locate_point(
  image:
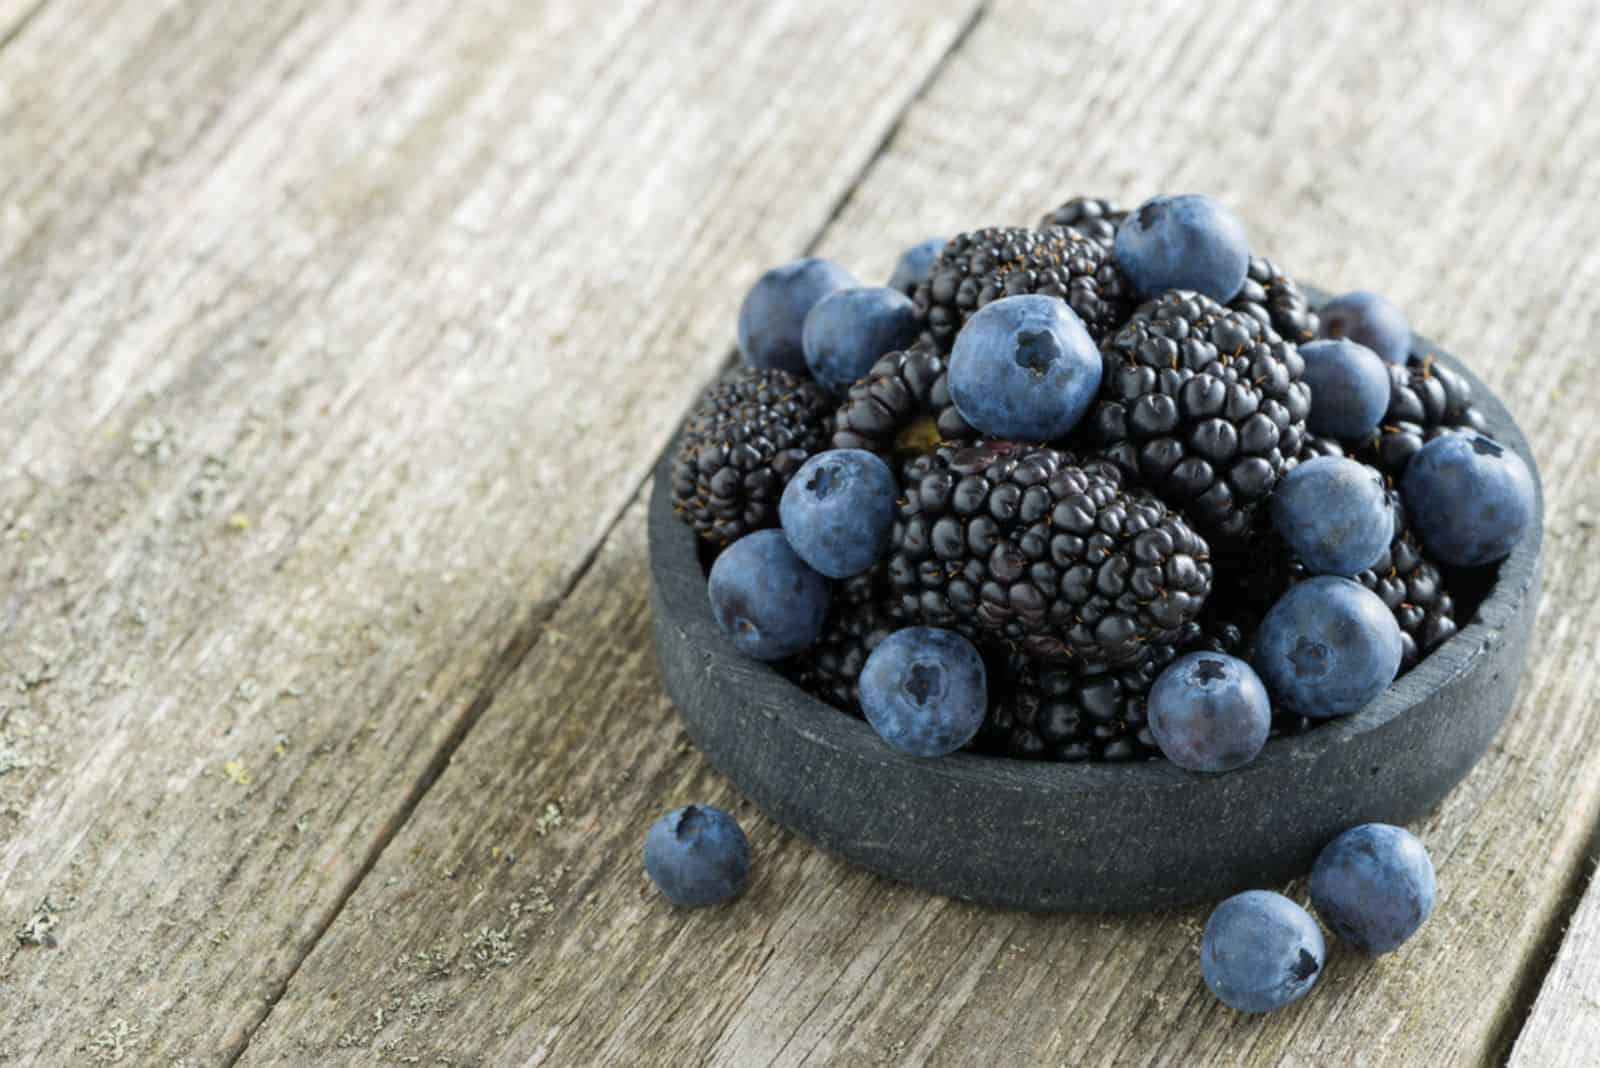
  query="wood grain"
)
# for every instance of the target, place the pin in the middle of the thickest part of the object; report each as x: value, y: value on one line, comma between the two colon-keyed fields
x: 1427, y: 177
x: 1563, y: 1030
x: 333, y: 338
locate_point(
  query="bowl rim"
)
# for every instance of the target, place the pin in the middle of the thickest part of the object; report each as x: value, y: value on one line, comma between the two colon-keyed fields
x: 674, y: 547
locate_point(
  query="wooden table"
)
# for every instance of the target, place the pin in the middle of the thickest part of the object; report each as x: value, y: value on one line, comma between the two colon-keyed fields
x: 337, y: 338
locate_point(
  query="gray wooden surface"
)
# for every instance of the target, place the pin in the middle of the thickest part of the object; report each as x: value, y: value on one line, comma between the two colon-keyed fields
x: 336, y: 341
x: 1562, y: 1030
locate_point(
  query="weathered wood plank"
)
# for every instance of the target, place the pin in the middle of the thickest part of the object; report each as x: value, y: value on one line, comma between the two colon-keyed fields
x: 491, y: 933
x: 328, y: 352
x: 1563, y: 1030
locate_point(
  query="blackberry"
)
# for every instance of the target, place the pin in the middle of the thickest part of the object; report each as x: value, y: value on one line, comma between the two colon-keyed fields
x: 1202, y: 404
x: 746, y: 437
x: 1049, y: 710
x: 1094, y: 217
x: 1413, y: 588
x: 1275, y: 301
x: 1425, y: 400
x: 1314, y: 445
x: 1247, y: 578
x: 985, y: 265
x: 859, y: 620
x: 1018, y: 543
x: 901, y: 408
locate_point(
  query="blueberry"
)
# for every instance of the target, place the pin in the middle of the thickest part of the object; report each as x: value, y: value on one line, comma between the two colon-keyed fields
x: 765, y: 598
x: 697, y: 855
x: 924, y: 691
x: 1469, y: 498
x: 1335, y: 514
x: 1024, y: 368
x: 1260, y: 951
x: 1374, y: 886
x: 772, y: 317
x: 1349, y: 388
x: 1184, y: 242
x: 837, y: 511
x: 846, y: 331
x: 915, y: 264
x: 1327, y: 648
x: 1209, y: 712
x: 1370, y: 320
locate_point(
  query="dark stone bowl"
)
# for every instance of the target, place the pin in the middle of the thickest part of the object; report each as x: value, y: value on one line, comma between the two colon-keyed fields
x: 1093, y: 837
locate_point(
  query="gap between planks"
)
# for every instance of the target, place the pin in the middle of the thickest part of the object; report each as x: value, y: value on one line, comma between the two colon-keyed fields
x: 504, y: 666
x: 18, y: 18
x: 527, y: 638
x: 1522, y: 1019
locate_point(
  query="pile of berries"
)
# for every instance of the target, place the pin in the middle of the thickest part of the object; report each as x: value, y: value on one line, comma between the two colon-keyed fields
x: 1104, y: 489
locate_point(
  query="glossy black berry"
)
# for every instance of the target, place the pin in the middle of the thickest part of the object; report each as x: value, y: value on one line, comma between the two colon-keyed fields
x: 901, y: 408
x: 1096, y: 218
x: 1202, y: 404
x: 1276, y: 301
x: 860, y: 618
x: 1020, y: 543
x: 985, y: 265
x: 744, y: 440
x: 1425, y: 401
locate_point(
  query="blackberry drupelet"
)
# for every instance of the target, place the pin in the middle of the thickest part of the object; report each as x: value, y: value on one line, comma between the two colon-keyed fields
x: 1202, y: 404
x: 985, y: 265
x: 1275, y: 301
x: 1314, y: 446
x: 1096, y: 218
x: 859, y: 620
x: 901, y: 408
x: 1018, y: 543
x: 746, y: 437
x: 1425, y: 400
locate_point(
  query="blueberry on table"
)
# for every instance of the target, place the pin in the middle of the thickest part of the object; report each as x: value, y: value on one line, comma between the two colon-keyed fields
x: 1349, y: 388
x: 1469, y: 499
x: 1209, y: 712
x: 1374, y: 886
x: 1335, y: 514
x: 1327, y: 648
x: 697, y: 855
x: 847, y: 331
x: 1371, y: 320
x: 767, y: 600
x: 838, y: 509
x: 1184, y: 242
x: 924, y: 690
x: 772, y: 317
x: 914, y: 265
x: 1260, y: 951
x: 1024, y: 368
